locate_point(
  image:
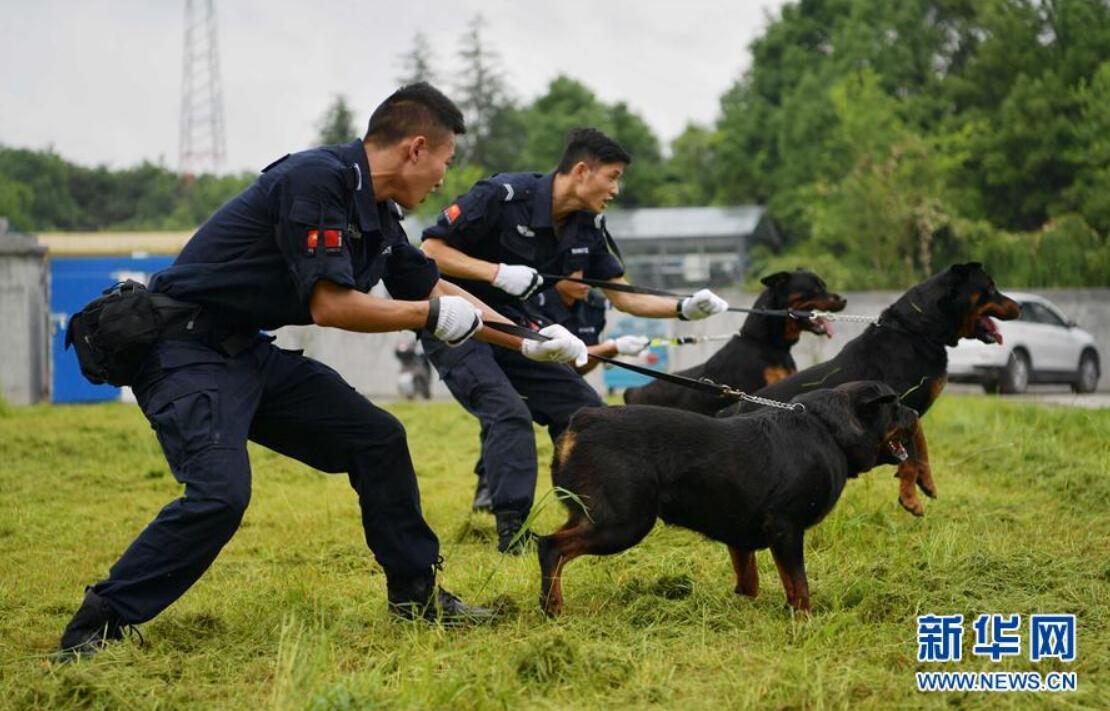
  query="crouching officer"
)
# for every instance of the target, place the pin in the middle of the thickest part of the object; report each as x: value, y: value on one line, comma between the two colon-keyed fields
x: 303, y: 244
x: 495, y: 241
x: 581, y: 310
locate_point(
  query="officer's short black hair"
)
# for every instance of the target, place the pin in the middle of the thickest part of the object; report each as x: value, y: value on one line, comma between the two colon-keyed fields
x: 593, y: 147
x: 415, y: 109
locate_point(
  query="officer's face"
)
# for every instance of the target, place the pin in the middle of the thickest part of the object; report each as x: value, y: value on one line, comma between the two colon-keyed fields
x: 600, y: 184
x: 572, y: 291
x: 424, y: 170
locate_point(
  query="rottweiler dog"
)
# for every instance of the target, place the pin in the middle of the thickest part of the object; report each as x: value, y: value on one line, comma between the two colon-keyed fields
x: 905, y: 349
x: 751, y: 482
x: 759, y: 354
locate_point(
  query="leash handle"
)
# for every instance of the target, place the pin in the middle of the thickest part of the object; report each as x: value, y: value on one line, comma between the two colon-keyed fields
x: 703, y: 384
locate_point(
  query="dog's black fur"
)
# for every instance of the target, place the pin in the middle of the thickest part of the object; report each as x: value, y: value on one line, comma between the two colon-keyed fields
x: 751, y: 482
x: 756, y: 356
x: 905, y: 350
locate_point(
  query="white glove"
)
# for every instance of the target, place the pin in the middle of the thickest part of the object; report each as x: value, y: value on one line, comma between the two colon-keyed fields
x: 517, y: 280
x: 630, y: 345
x: 702, y: 304
x: 452, y: 319
x: 564, y: 347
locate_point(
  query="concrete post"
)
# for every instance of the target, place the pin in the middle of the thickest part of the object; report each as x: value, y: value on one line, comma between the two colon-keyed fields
x: 24, y: 319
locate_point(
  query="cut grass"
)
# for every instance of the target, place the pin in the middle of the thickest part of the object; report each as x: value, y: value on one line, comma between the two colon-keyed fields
x: 292, y: 614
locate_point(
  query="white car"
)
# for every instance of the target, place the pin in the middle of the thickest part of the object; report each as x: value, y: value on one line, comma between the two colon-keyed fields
x: 1042, y: 346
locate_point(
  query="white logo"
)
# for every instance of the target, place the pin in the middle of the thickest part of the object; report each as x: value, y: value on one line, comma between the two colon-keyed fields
x: 523, y: 230
x: 580, y: 250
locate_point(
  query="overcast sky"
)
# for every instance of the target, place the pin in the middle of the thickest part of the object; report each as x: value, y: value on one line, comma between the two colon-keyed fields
x: 100, y: 80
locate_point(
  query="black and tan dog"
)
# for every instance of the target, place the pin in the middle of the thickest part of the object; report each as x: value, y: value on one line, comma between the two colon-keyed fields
x: 759, y: 354
x: 751, y: 482
x: 905, y: 349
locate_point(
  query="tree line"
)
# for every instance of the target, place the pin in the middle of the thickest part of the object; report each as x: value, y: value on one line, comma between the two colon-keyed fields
x: 886, y: 140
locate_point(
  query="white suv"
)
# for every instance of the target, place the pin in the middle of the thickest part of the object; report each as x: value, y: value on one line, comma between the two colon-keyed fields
x: 1042, y: 346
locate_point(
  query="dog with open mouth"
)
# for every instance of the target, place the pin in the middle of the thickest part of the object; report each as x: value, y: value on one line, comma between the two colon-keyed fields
x: 759, y: 354
x: 751, y: 482
x: 905, y: 349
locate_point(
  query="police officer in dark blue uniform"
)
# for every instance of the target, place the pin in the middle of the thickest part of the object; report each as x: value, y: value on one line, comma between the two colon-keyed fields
x: 495, y: 241
x: 581, y: 310
x: 303, y: 244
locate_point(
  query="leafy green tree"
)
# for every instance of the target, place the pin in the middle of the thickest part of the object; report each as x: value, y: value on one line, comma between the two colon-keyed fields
x: 568, y: 104
x: 337, y: 125
x: 483, y: 96
x: 1090, y: 193
x: 688, y: 176
x: 47, y: 176
x: 15, y: 203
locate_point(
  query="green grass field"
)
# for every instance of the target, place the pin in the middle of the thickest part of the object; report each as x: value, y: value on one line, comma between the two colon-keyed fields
x: 292, y: 615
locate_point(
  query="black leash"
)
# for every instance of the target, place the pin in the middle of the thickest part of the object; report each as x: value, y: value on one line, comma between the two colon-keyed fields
x: 788, y: 313
x: 704, y: 384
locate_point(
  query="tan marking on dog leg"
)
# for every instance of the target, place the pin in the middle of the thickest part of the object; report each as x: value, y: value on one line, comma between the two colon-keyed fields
x: 570, y: 545
x: 907, y: 494
x: 747, y: 575
x: 787, y: 580
x: 924, y: 469
x: 774, y: 374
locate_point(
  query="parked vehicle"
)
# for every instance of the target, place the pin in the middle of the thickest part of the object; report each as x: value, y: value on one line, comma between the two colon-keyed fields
x: 1042, y: 346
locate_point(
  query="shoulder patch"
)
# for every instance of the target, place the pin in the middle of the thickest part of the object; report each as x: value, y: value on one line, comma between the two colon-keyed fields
x: 452, y: 213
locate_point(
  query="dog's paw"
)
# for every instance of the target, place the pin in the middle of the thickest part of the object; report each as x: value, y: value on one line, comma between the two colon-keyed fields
x: 912, y: 504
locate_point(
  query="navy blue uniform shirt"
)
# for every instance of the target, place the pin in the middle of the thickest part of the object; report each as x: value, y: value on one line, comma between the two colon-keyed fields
x: 507, y: 219
x: 309, y: 216
x: 584, y: 318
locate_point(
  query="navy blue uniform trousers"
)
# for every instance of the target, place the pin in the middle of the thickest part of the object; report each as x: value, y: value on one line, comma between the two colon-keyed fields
x: 507, y: 392
x: 204, y: 406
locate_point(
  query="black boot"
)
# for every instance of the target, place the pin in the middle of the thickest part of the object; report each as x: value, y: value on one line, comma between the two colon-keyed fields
x: 511, y: 535
x: 483, y: 500
x: 93, y: 626
x: 420, y: 598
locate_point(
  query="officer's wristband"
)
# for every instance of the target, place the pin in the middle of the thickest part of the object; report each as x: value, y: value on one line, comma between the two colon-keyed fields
x: 678, y: 310
x: 433, y: 315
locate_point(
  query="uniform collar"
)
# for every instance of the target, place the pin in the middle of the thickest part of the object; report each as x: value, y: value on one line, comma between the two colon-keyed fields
x: 553, y: 308
x: 541, y: 202
x: 354, y: 156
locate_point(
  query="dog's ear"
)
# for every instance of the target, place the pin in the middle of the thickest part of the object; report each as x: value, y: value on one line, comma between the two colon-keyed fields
x: 834, y: 408
x: 875, y: 393
x: 869, y: 396
x: 775, y: 280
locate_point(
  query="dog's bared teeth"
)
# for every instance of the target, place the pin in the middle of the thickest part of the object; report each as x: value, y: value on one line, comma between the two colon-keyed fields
x: 898, y: 450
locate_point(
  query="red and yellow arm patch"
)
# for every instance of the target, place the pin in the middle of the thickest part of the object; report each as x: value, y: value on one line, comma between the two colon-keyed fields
x: 452, y: 213
x: 333, y: 241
